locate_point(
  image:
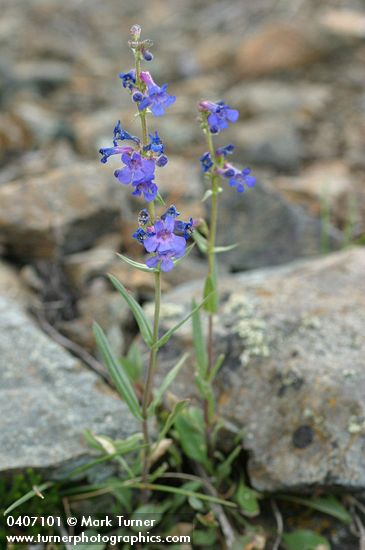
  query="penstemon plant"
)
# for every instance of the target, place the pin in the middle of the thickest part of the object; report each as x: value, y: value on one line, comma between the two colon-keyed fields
x: 219, y: 497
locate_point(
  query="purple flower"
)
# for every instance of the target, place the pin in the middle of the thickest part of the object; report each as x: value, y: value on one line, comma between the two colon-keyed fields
x: 163, y: 238
x: 239, y: 179
x: 165, y: 259
x: 147, y: 187
x: 162, y: 161
x: 219, y: 116
x: 137, y: 169
x: 107, y: 152
x: 156, y: 97
x: 206, y: 162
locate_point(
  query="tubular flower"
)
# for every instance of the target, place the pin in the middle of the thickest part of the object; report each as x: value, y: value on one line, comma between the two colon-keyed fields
x: 239, y: 178
x: 155, y: 97
x: 219, y: 116
x: 161, y: 239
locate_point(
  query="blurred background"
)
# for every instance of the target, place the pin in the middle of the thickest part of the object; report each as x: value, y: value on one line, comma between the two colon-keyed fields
x: 295, y: 69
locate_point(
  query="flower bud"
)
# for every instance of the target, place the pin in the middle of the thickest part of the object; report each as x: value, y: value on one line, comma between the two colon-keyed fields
x: 136, y: 32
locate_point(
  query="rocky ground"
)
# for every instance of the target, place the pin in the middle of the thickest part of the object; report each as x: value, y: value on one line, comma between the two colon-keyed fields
x: 296, y: 72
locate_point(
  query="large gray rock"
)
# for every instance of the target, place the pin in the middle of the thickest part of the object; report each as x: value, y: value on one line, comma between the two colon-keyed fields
x: 269, y: 229
x: 294, y: 372
x: 48, y: 399
x: 67, y: 209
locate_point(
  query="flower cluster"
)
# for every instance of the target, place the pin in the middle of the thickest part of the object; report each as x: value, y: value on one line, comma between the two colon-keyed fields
x: 165, y: 238
x: 146, y: 93
x: 139, y: 161
x: 215, y: 117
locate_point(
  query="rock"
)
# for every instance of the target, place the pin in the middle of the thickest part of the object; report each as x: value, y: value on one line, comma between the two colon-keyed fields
x: 272, y: 96
x: 294, y: 374
x: 66, y: 210
x: 11, y: 285
x: 43, y: 73
x: 84, y: 268
x: 48, y: 399
x: 269, y: 141
x: 269, y: 230
x: 344, y: 23
x: 330, y: 182
x: 279, y: 46
x: 105, y: 307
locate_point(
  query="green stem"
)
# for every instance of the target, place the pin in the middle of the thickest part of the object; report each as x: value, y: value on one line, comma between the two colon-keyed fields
x: 149, y: 379
x: 142, y: 116
x: 212, y: 274
x: 153, y: 353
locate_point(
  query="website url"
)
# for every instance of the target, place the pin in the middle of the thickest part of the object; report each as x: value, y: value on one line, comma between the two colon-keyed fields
x: 85, y: 538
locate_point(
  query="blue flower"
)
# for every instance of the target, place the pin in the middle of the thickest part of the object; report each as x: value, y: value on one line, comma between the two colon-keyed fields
x: 219, y: 116
x: 161, y: 161
x: 156, y: 144
x: 162, y: 241
x: 137, y: 169
x: 171, y: 211
x: 155, y: 97
x: 239, y: 179
x: 120, y: 134
x: 206, y: 162
x: 128, y: 79
x: 140, y: 235
x: 186, y: 228
x: 225, y: 151
x: 147, y: 187
x: 106, y: 152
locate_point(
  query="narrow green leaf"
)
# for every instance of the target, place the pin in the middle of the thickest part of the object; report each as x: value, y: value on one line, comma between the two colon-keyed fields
x: 166, y: 337
x: 179, y: 491
x: 224, y: 469
x: 171, y: 418
x: 217, y: 366
x: 34, y: 492
x: 225, y: 248
x: 246, y: 498
x: 304, y: 539
x: 210, y: 295
x: 199, y: 342
x: 143, y: 324
x: 169, y: 378
x: 190, y: 428
x: 200, y: 241
x: 119, y: 377
x: 159, y: 199
x: 208, y: 193
x: 137, y: 265
x: 328, y: 505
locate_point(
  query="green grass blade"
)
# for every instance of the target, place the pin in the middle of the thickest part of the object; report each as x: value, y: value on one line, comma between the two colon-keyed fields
x: 34, y: 492
x: 137, y: 265
x: 169, y: 378
x: 199, y: 342
x: 166, y: 337
x: 143, y: 324
x: 119, y: 377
